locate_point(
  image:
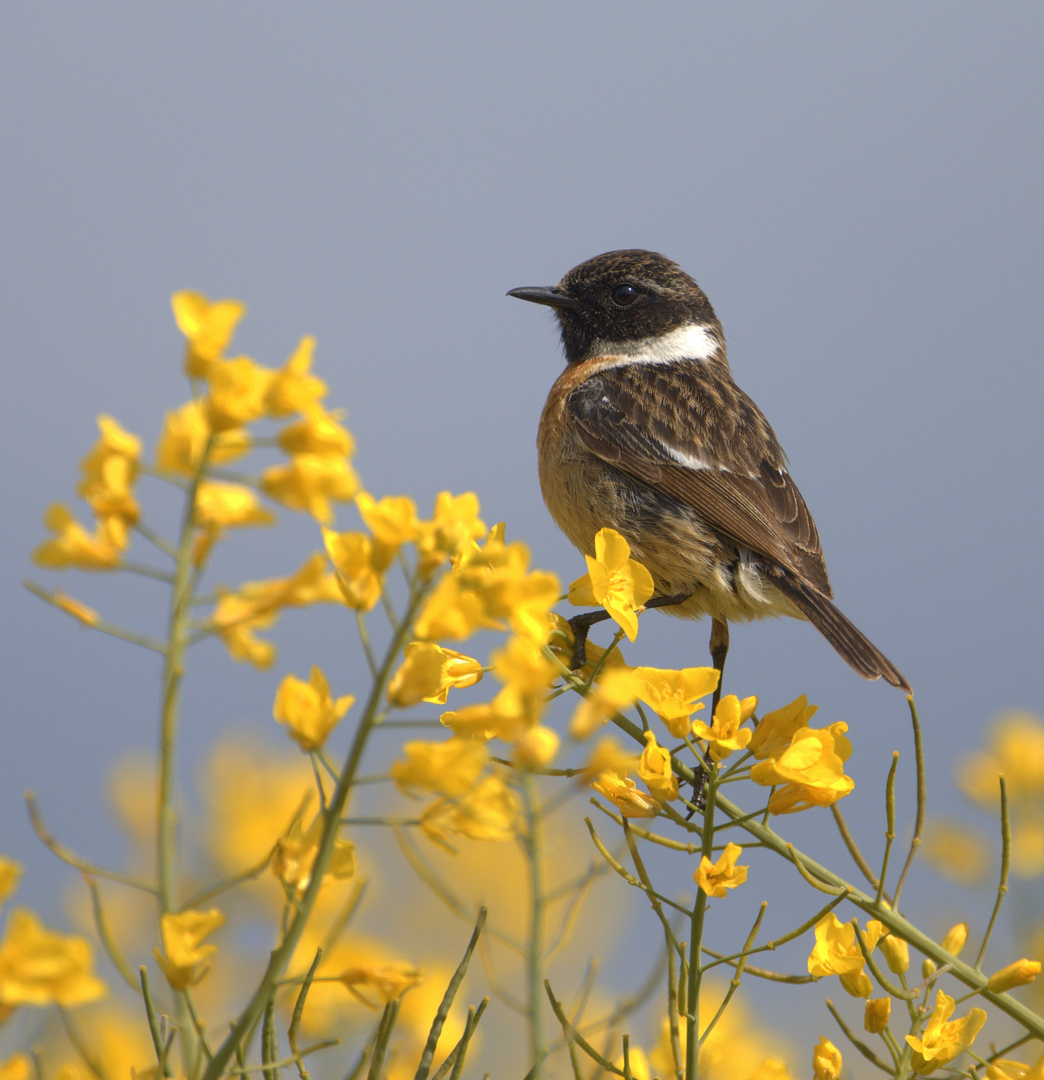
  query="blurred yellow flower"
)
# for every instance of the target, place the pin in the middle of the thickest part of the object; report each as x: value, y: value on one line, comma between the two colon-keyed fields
x: 294, y: 856
x: 716, y: 878
x: 614, y: 581
x: 776, y: 730
x: 235, y: 619
x: 220, y: 506
x: 308, y: 483
x: 393, y: 522
x: 488, y: 812
x: 73, y: 546
x: 107, y: 473
x: 386, y: 981
x: 625, y: 795
x: 674, y: 694
x: 250, y: 797
x: 40, y: 966
x: 1015, y: 747
x: 1005, y: 1069
x: 956, y: 850
x: 725, y: 734
x: 826, y: 1060
x: 876, y: 1014
x: 943, y: 1039
x: 352, y: 556
x: 427, y: 673
x: 184, y: 959
x: 16, y: 1067
x: 450, y: 768
x: 10, y: 875
x: 308, y: 709
x: 616, y: 689
x: 837, y: 952
x: 184, y: 437
x: 654, y: 770
x: 810, y: 770
x: 1019, y: 973
x: 452, y: 612
x: 452, y: 531
x: 237, y: 393
x: 536, y: 747
x: 608, y: 756
x: 318, y: 432
x: 207, y: 325
x: 293, y: 388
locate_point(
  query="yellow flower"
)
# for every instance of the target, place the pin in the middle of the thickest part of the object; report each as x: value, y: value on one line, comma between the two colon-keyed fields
x: 776, y: 730
x: 955, y: 938
x: 450, y: 768
x: 40, y: 966
x: 615, y: 581
x: 1018, y: 974
x: 654, y: 770
x: 185, y: 960
x: 392, y: 520
x: 221, y: 506
x: 387, y: 981
x: 237, y: 393
x: 526, y: 673
x: 715, y: 878
x: 294, y: 856
x: 108, y: 471
x: 810, y: 770
x: 1003, y: 1069
x: 837, y: 952
x: 537, y: 747
x: 235, y: 619
x: 453, y: 529
x: 184, y: 438
x: 352, y: 556
x: 826, y: 1060
x: 725, y: 734
x: 674, y: 695
x: 428, y: 672
x: 73, y: 546
x: 616, y: 689
x: 318, y: 432
x: 293, y: 389
x: 308, y: 710
x: 10, y: 874
x: 207, y: 326
x: 943, y: 1039
x: 488, y: 812
x: 308, y: 483
x: 625, y: 795
x: 876, y: 1015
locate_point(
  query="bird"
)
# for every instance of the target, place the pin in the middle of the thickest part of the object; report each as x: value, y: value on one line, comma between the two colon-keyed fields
x: 647, y: 433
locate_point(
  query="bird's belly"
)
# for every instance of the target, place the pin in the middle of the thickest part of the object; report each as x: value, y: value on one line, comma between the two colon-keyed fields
x: 684, y: 555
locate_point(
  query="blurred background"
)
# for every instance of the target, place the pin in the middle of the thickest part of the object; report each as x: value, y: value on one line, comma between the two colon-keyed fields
x: 856, y: 187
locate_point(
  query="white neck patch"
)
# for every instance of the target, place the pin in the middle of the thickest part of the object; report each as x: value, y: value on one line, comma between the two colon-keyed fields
x: 691, y: 342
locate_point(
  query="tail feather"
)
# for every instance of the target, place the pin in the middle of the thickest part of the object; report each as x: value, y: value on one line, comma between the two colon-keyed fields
x: 851, y: 644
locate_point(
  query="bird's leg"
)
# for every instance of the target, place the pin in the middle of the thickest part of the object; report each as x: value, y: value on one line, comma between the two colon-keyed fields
x: 719, y: 649
x: 581, y: 625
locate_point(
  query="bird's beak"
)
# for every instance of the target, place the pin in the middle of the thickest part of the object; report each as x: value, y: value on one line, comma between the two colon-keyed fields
x: 551, y: 295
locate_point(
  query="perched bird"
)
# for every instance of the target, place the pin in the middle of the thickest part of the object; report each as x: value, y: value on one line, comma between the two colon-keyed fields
x: 646, y: 432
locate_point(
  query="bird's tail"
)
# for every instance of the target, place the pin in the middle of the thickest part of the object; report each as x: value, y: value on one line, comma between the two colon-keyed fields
x: 850, y: 643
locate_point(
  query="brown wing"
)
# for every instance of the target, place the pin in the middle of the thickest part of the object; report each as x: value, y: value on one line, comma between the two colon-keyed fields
x: 692, y: 436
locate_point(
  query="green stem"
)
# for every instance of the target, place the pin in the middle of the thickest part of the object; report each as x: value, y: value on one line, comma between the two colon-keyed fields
x: 699, y: 912
x: 280, y: 956
x: 533, y: 844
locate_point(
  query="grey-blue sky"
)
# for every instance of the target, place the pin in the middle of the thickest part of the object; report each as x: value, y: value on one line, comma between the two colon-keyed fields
x: 857, y: 188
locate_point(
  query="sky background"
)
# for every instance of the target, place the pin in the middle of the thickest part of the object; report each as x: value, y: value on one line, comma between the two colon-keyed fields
x: 856, y: 188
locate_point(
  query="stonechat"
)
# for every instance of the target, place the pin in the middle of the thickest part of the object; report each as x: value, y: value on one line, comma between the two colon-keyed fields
x: 646, y: 432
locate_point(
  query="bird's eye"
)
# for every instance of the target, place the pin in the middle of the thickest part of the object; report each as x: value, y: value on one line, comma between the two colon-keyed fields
x: 624, y: 295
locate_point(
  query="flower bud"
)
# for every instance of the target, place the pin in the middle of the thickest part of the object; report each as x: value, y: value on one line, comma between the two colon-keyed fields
x: 896, y: 953
x: 955, y: 939
x: 1018, y: 974
x: 928, y: 968
x: 876, y: 1014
